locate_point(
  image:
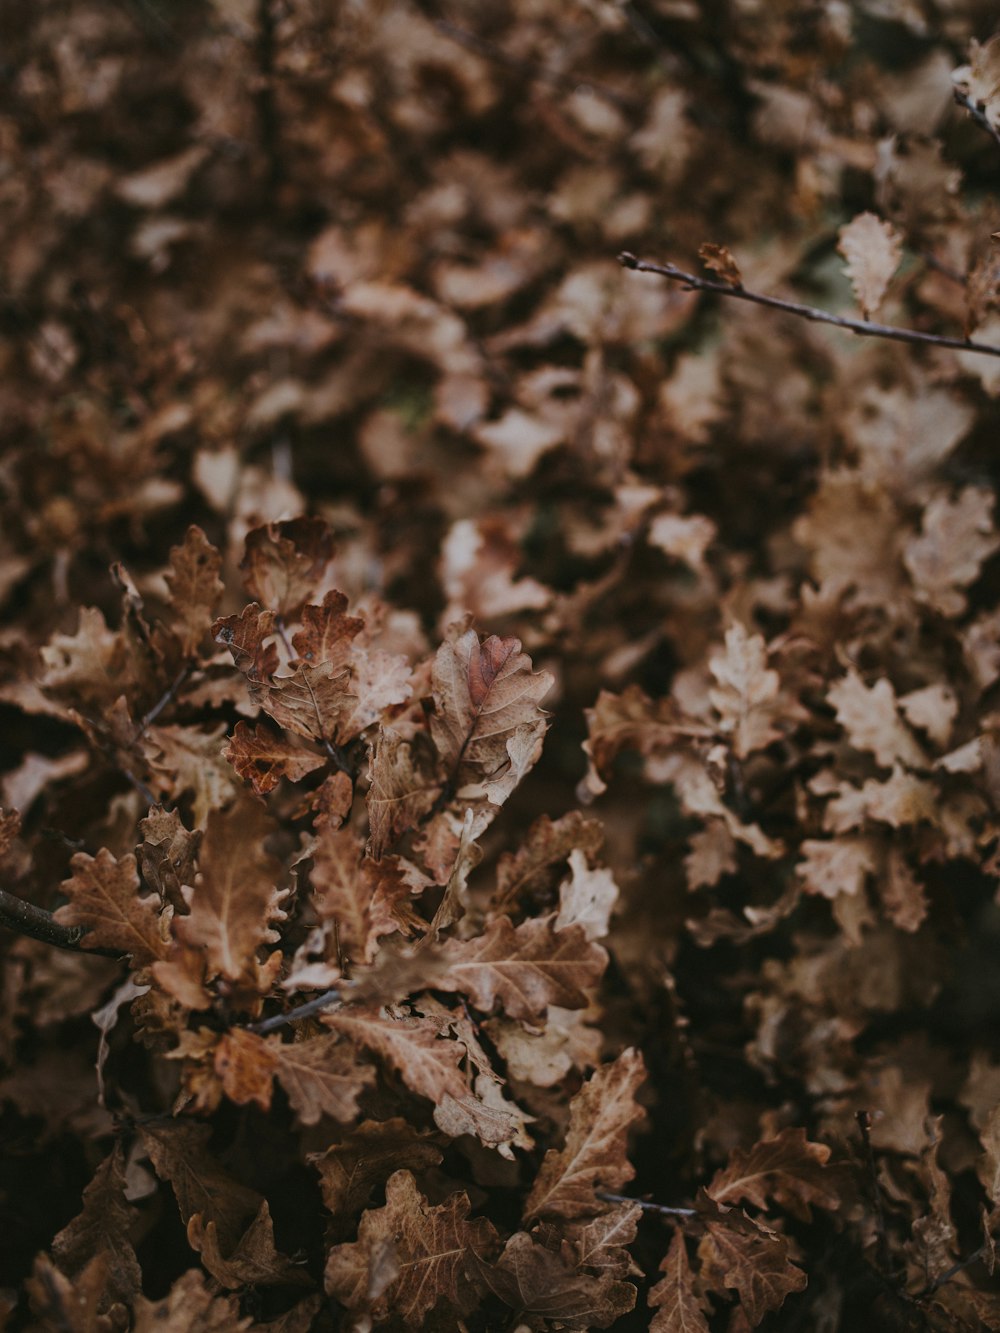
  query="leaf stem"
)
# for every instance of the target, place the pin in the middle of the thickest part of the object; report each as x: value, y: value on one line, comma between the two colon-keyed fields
x: 864, y: 327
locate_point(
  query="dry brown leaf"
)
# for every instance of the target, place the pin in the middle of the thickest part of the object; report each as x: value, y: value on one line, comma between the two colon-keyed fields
x: 788, y: 1169
x: 263, y: 757
x: 434, y: 1253
x: 365, y: 1159
x: 255, y: 1262
x: 102, y: 1229
x: 195, y: 589
x: 594, y: 1155
x: 403, y: 789
x: 870, y: 717
x: 753, y: 1261
x: 957, y: 537
x: 873, y: 250
x: 746, y: 695
x: 104, y: 900
x: 284, y: 563
x: 524, y: 969
x: 720, y: 261
x: 679, y: 1307
x: 533, y: 1280
x: 322, y: 1076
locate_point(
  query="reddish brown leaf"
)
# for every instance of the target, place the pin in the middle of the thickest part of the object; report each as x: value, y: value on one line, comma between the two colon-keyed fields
x: 534, y: 1281
x: 263, y: 757
x: 403, y: 789
x: 751, y: 1260
x: 328, y: 633
x: 255, y: 1262
x: 245, y: 1064
x: 235, y: 898
x: 367, y: 1157
x: 788, y: 1169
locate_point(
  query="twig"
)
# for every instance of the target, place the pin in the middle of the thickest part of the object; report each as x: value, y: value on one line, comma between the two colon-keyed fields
x: 864, y: 327
x: 661, y: 1208
x: 954, y: 1270
x: 26, y: 919
x: 168, y: 695
x: 323, y: 1001
x: 864, y: 1119
x: 977, y: 114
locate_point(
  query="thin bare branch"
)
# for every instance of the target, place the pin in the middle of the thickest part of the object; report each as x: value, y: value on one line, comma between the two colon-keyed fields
x: 864, y: 327
x: 662, y: 1208
x: 978, y: 115
x: 324, y: 1001
x: 26, y: 919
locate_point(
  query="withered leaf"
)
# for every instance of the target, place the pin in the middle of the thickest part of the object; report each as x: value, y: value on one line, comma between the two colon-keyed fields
x: 102, y: 1229
x: 752, y: 1260
x: 263, y: 757
x: 871, y: 719
x: 191, y: 1305
x: 426, y: 1060
x: 235, y: 899
x: 366, y: 1157
x: 720, y: 260
x: 746, y: 693
x: 595, y: 1152
x: 104, y: 899
x: 195, y: 589
x: 679, y: 1309
x: 957, y: 537
x: 788, y: 1169
x: 322, y: 1076
x: 435, y: 1253
x: 530, y: 871
x: 255, y: 1262
x: 179, y: 1154
x: 535, y: 1281
x: 245, y: 1065
x: 167, y: 853
x: 403, y: 789
x: 327, y: 633
x: 190, y: 759
x: 482, y: 694
x: 873, y: 249
x: 88, y: 667
x: 284, y: 563
x: 524, y: 968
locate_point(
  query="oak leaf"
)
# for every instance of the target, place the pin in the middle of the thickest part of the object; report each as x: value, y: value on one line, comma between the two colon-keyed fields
x: 313, y: 701
x: 255, y: 1262
x: 88, y: 667
x: 102, y: 1229
x: 536, y: 1281
x: 190, y: 759
x: 403, y: 788
x: 434, y: 1253
x: 746, y: 695
x: 752, y: 1260
x: 322, y: 1076
x: 365, y: 898
x: 245, y: 1065
x: 263, y: 757
x: 594, y: 1154
x: 788, y: 1169
x: 871, y: 719
x: 720, y: 261
x: 179, y: 1154
x: 365, y: 1159
x: 327, y: 633
x: 957, y: 537
x: 104, y: 900
x: 483, y: 693
x: 530, y: 873
x: 587, y: 898
x: 284, y: 563
x: 235, y: 898
x: 679, y: 1308
x: 192, y: 1306
x: 873, y: 249
x: 167, y: 853
x: 195, y: 589
x: 525, y: 968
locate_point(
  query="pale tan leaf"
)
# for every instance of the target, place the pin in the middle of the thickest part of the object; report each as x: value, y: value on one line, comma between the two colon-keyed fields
x: 873, y: 249
x: 322, y: 1076
x: 587, y: 898
x: 195, y: 589
x: 870, y: 717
